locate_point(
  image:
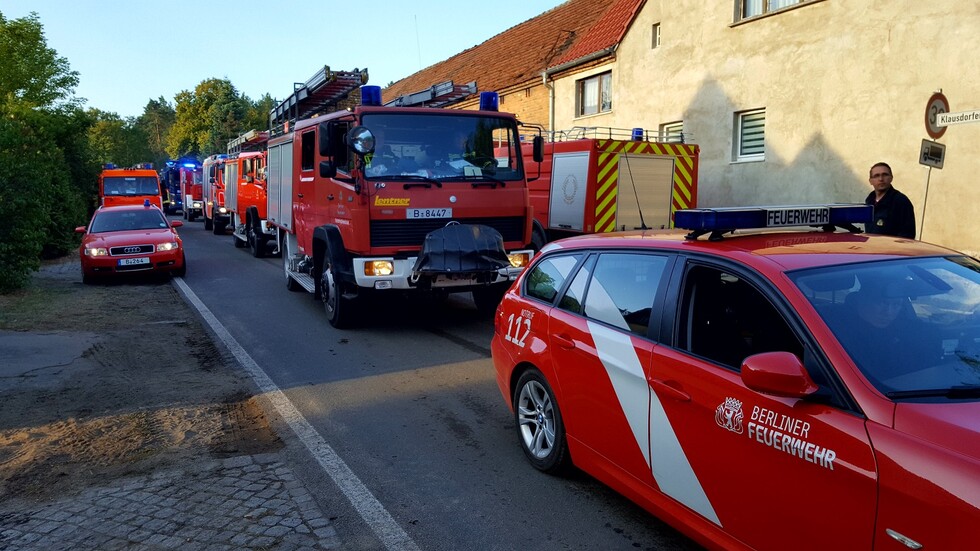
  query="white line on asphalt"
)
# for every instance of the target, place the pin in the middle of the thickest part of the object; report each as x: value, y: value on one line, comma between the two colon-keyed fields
x: 370, y: 509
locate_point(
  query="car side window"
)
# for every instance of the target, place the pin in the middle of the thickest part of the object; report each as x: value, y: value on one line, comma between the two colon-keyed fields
x: 548, y: 275
x: 623, y: 288
x: 726, y: 319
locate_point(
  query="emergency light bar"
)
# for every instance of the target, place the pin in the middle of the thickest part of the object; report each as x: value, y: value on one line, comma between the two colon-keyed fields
x: 370, y: 95
x: 725, y: 220
x: 489, y: 101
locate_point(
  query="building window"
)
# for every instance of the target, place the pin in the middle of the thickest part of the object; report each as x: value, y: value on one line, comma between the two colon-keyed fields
x: 594, y: 94
x: 672, y: 132
x: 656, y: 35
x: 750, y: 135
x: 755, y: 8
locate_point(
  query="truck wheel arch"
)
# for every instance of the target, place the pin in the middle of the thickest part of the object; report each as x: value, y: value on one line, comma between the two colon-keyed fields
x: 539, y: 237
x: 327, y: 237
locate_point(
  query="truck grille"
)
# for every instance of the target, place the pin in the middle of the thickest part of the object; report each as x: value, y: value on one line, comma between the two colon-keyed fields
x: 411, y: 233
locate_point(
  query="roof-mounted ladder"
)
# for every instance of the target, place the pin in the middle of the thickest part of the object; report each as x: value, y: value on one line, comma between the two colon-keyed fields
x: 439, y: 95
x: 325, y: 89
x: 253, y: 140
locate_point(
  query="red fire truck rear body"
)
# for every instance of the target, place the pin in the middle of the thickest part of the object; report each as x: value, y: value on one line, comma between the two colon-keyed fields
x: 246, y: 195
x: 213, y: 190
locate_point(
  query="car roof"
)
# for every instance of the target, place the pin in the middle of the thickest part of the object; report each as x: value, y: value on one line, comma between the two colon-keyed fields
x: 124, y: 208
x: 782, y: 250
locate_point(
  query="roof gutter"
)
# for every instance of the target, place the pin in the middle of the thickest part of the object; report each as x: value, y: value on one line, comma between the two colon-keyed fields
x: 546, y: 75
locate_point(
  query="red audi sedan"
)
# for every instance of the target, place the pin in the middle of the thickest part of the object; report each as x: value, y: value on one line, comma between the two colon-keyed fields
x: 128, y: 239
x: 757, y: 389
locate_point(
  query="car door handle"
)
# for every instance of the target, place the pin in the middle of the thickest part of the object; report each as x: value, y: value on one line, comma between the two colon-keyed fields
x: 300, y: 195
x: 670, y: 389
x: 330, y: 197
x: 564, y: 341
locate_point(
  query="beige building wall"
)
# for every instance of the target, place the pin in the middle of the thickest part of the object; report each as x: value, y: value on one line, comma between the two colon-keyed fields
x: 843, y: 84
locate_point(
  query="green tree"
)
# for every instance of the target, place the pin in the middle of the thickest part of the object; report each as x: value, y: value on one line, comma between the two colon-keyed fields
x: 123, y: 142
x: 156, y: 121
x: 45, y: 165
x: 207, y: 118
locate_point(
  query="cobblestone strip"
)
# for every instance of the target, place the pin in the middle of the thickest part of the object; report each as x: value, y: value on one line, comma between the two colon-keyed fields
x: 245, y: 502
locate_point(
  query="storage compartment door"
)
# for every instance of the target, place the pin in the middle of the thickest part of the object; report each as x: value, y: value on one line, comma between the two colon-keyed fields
x: 645, y: 185
x: 569, y: 177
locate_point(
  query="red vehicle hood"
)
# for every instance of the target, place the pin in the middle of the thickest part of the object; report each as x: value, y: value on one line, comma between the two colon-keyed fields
x: 954, y: 425
x: 135, y: 237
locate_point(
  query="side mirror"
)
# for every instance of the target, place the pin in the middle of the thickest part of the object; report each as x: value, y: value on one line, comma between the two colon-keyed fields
x: 361, y: 140
x: 80, y: 229
x: 176, y: 223
x: 327, y: 169
x: 211, y: 179
x: 538, y: 149
x: 777, y: 374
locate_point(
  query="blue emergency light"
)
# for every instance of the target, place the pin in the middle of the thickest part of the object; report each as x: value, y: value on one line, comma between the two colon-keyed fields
x: 371, y: 95
x: 719, y: 221
x: 146, y: 202
x: 109, y: 166
x: 489, y: 101
x: 190, y: 165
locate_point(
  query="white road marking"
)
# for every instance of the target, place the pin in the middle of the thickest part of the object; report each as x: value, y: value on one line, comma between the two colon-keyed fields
x: 370, y: 509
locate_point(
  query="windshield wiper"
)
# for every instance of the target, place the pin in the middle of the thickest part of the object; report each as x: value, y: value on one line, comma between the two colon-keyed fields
x: 956, y: 392
x: 423, y: 181
x: 478, y: 180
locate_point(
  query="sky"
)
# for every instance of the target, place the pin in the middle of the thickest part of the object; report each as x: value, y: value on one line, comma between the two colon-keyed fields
x: 130, y: 51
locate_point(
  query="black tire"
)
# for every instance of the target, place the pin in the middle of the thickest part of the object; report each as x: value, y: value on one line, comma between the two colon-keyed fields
x: 208, y: 224
x: 339, y: 310
x: 218, y: 228
x: 88, y: 279
x: 239, y: 244
x: 538, y: 240
x: 291, y: 283
x: 540, y: 428
x: 257, y: 243
x: 488, y: 298
x: 184, y: 214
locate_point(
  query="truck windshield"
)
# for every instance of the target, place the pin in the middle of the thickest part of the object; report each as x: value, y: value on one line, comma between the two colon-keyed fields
x: 130, y: 185
x: 443, y: 146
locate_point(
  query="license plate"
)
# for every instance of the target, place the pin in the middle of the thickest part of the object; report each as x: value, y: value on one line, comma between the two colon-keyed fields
x: 428, y: 213
x: 134, y: 261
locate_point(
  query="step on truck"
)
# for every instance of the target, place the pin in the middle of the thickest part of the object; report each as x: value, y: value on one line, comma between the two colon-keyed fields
x: 188, y: 176
x: 371, y: 198
x: 599, y: 179
x: 246, y: 193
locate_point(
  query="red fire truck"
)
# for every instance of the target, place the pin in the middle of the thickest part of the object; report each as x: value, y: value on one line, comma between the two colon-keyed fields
x: 246, y: 192
x: 379, y: 198
x: 595, y: 180
x: 191, y: 179
x: 129, y: 186
x: 213, y: 192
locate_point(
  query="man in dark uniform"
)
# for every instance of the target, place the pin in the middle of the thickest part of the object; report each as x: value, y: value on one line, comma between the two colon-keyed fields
x: 894, y: 214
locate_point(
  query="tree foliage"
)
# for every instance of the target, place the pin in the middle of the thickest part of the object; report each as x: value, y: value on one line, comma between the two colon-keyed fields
x: 207, y: 118
x: 46, y: 165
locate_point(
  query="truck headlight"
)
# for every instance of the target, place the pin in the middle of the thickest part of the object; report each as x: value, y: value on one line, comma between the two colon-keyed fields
x: 96, y: 251
x: 379, y: 268
x: 223, y: 210
x: 519, y: 260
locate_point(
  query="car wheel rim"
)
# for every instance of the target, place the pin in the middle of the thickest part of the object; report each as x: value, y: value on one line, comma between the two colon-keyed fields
x: 536, y: 416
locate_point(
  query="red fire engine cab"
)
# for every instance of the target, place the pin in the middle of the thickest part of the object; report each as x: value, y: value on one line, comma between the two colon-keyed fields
x: 191, y: 190
x: 246, y: 192
x: 129, y: 186
x: 380, y: 198
x: 213, y: 192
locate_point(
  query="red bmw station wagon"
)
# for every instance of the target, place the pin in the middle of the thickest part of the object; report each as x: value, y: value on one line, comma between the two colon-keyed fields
x: 776, y: 389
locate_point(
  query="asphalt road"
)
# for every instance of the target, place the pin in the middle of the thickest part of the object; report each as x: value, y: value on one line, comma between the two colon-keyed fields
x: 408, y: 402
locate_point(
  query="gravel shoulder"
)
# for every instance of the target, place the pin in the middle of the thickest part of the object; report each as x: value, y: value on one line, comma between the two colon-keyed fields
x: 105, y: 381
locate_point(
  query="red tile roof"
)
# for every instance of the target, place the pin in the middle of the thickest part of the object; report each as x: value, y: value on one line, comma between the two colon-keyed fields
x: 520, y: 54
x: 606, y: 33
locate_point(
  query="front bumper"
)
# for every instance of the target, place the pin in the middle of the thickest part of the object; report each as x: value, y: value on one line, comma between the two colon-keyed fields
x: 166, y: 261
